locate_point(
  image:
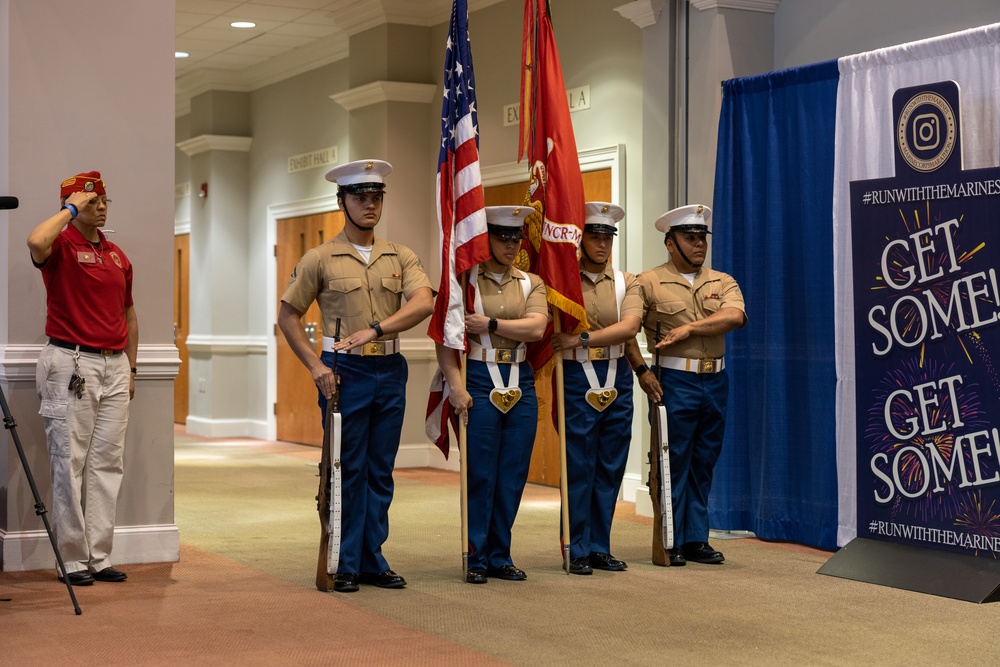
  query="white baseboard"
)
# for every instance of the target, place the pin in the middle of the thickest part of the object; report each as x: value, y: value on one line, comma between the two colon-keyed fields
x: 226, y: 428
x: 31, y: 549
x: 425, y: 455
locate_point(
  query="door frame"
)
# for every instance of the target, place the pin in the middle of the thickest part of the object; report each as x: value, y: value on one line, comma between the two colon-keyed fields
x: 275, y: 213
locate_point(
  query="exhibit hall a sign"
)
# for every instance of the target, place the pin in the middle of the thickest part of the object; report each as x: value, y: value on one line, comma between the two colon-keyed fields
x: 926, y: 244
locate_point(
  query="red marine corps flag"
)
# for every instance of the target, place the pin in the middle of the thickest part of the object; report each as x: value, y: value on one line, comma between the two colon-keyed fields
x: 461, y: 210
x: 556, y: 185
x: 555, y: 230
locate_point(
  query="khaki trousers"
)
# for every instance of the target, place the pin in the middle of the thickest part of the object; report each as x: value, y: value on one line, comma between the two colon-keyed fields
x: 86, y: 443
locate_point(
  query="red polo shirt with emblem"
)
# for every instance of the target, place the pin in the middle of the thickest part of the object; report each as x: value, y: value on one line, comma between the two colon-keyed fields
x: 88, y: 289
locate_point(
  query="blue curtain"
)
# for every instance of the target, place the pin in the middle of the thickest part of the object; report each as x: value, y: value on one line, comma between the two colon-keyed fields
x: 772, y: 230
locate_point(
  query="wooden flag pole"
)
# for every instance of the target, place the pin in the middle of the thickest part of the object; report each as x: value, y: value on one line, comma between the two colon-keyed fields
x: 563, y: 474
x: 463, y: 448
x: 463, y: 462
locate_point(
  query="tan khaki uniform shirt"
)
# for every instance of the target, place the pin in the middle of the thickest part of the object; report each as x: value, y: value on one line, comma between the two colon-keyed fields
x: 670, y: 299
x: 601, y: 301
x: 335, y: 276
x: 505, y: 300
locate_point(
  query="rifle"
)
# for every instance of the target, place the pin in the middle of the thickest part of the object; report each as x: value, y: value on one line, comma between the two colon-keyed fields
x: 328, y: 501
x: 659, y: 476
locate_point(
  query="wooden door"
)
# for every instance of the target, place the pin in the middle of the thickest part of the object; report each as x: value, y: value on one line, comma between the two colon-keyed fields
x: 297, y: 415
x: 545, y: 467
x: 182, y: 271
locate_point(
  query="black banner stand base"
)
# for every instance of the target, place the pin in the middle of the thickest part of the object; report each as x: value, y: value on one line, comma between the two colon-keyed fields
x: 950, y: 575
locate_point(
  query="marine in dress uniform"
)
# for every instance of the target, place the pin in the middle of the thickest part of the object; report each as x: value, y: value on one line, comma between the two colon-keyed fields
x: 696, y: 307
x: 363, y: 280
x: 598, y: 386
x: 497, y: 400
x: 86, y: 373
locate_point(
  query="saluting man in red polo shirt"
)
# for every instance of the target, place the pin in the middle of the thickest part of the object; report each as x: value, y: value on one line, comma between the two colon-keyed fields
x: 86, y: 374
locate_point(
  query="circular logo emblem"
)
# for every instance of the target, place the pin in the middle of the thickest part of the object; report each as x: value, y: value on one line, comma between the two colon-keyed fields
x: 925, y: 132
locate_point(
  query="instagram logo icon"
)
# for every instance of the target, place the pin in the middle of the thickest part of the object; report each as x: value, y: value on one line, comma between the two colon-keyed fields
x: 926, y: 132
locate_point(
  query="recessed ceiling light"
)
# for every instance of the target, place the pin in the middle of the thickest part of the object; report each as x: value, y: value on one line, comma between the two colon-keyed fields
x: 243, y: 24
x: 181, y: 54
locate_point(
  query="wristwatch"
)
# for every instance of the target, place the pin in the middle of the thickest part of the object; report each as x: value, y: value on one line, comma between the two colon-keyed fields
x: 492, y: 325
x: 377, y: 327
x: 640, y: 369
x: 585, y: 339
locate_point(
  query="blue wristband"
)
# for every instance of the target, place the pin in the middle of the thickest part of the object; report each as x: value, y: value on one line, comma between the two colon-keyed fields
x: 73, y: 210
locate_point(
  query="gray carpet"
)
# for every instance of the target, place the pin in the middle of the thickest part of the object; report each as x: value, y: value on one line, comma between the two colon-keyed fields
x: 254, y: 503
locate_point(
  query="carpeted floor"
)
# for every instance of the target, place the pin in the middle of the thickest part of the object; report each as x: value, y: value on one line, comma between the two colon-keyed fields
x: 243, y: 592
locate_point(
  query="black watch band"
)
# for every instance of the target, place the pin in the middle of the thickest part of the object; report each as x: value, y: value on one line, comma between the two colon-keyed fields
x: 640, y: 369
x: 492, y: 326
x: 377, y: 327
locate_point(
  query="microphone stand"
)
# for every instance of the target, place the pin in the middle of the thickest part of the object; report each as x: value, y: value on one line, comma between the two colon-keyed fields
x: 11, y: 425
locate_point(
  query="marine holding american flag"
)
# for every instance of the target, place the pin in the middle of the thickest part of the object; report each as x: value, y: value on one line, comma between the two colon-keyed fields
x: 361, y: 280
x: 497, y: 399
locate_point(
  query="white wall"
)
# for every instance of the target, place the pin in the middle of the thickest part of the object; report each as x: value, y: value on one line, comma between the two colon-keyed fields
x: 809, y: 31
x: 69, y: 72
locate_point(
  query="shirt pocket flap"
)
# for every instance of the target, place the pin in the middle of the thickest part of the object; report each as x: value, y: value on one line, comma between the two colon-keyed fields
x: 393, y: 284
x: 344, y: 284
x: 670, y: 307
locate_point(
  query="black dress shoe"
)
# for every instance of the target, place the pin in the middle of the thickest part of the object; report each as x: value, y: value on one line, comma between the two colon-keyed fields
x: 701, y: 552
x: 508, y: 572
x: 676, y: 558
x: 475, y: 575
x: 109, y: 574
x: 82, y: 578
x: 579, y: 565
x: 387, y: 579
x: 346, y: 582
x: 602, y: 561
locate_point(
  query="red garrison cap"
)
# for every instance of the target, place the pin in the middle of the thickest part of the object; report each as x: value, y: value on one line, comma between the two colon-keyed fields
x: 88, y: 182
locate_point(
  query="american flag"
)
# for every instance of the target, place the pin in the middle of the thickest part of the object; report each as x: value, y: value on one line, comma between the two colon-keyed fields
x: 461, y: 207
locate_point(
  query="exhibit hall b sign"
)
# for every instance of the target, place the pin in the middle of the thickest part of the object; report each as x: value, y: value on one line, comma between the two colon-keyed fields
x: 926, y: 244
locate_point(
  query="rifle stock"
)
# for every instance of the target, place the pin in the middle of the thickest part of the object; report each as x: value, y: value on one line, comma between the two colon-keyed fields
x: 659, y: 477
x: 327, y: 471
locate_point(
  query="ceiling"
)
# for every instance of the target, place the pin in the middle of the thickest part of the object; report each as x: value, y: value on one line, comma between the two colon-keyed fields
x: 291, y: 37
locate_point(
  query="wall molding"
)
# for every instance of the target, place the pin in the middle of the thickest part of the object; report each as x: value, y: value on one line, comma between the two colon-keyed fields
x: 214, y: 142
x: 226, y: 345
x: 642, y: 13
x: 31, y: 549
x: 378, y: 92
x: 155, y: 362
x: 766, y: 6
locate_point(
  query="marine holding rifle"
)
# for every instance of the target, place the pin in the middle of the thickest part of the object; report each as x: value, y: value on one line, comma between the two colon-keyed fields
x: 362, y: 280
x: 696, y: 307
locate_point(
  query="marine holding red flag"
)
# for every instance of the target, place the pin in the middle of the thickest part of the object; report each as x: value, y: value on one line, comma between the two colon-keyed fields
x: 556, y: 186
x: 461, y: 212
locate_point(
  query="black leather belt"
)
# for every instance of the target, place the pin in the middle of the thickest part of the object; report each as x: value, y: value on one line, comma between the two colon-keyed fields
x: 83, y: 348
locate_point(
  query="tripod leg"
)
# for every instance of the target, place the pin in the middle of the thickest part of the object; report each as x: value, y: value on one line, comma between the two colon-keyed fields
x: 9, y: 424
